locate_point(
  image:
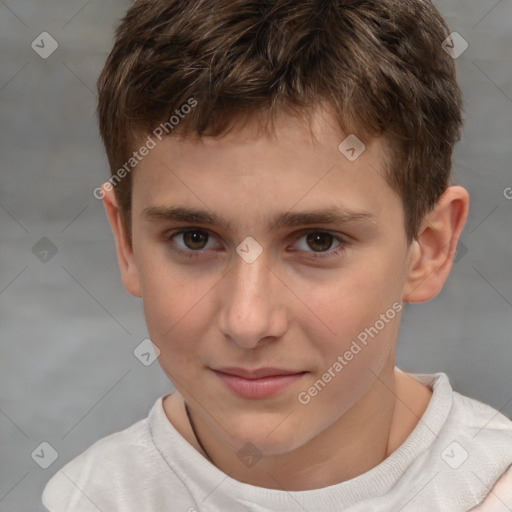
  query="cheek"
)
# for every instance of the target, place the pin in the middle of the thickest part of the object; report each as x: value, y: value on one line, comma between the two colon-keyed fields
x: 345, y: 305
x: 173, y: 318
x: 179, y: 314
x: 365, y: 327
x: 354, y: 329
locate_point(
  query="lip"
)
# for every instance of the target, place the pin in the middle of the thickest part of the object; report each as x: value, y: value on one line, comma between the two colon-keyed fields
x: 256, y: 373
x: 260, y: 383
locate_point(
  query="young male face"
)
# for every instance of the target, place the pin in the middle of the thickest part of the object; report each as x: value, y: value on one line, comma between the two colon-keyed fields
x: 285, y: 310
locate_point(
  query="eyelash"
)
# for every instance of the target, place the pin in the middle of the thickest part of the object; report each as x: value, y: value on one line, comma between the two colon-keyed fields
x: 333, y: 253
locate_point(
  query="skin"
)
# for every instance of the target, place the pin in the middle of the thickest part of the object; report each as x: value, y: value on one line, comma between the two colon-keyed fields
x: 499, y: 498
x: 285, y: 309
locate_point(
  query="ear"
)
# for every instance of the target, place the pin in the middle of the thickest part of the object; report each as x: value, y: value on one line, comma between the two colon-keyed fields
x: 127, y: 266
x: 431, y: 254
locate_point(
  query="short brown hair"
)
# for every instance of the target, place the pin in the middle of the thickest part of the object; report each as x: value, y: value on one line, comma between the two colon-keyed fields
x: 378, y: 63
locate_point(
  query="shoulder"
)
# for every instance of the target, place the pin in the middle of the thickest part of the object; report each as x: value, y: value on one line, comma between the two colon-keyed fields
x: 479, y: 449
x: 463, y: 416
x: 499, y: 499
x: 480, y: 434
x: 481, y: 421
x: 104, y: 473
x: 466, y: 446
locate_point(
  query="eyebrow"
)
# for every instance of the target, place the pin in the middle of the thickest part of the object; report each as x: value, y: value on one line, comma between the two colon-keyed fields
x: 334, y: 215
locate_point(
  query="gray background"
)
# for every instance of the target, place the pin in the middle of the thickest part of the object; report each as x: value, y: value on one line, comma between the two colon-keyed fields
x: 68, y: 375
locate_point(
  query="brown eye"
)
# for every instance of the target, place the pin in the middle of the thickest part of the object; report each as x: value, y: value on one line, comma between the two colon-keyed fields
x: 320, y: 241
x: 318, y: 245
x: 195, y: 240
x: 192, y: 243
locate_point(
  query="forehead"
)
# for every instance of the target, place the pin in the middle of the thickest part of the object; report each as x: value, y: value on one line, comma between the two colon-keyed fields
x: 296, y: 166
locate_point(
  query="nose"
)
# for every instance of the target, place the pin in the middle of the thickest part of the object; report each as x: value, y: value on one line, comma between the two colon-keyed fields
x: 252, y: 303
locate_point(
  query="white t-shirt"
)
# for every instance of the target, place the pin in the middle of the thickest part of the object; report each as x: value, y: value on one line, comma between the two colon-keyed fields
x: 449, y: 463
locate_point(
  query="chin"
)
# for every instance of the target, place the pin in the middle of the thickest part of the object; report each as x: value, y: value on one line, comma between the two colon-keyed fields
x: 266, y: 439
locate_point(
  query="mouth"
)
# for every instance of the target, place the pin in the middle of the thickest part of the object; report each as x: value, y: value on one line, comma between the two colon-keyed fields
x: 260, y: 383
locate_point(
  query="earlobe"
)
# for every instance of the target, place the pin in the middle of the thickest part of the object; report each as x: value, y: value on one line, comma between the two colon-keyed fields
x: 431, y: 254
x: 125, y: 257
